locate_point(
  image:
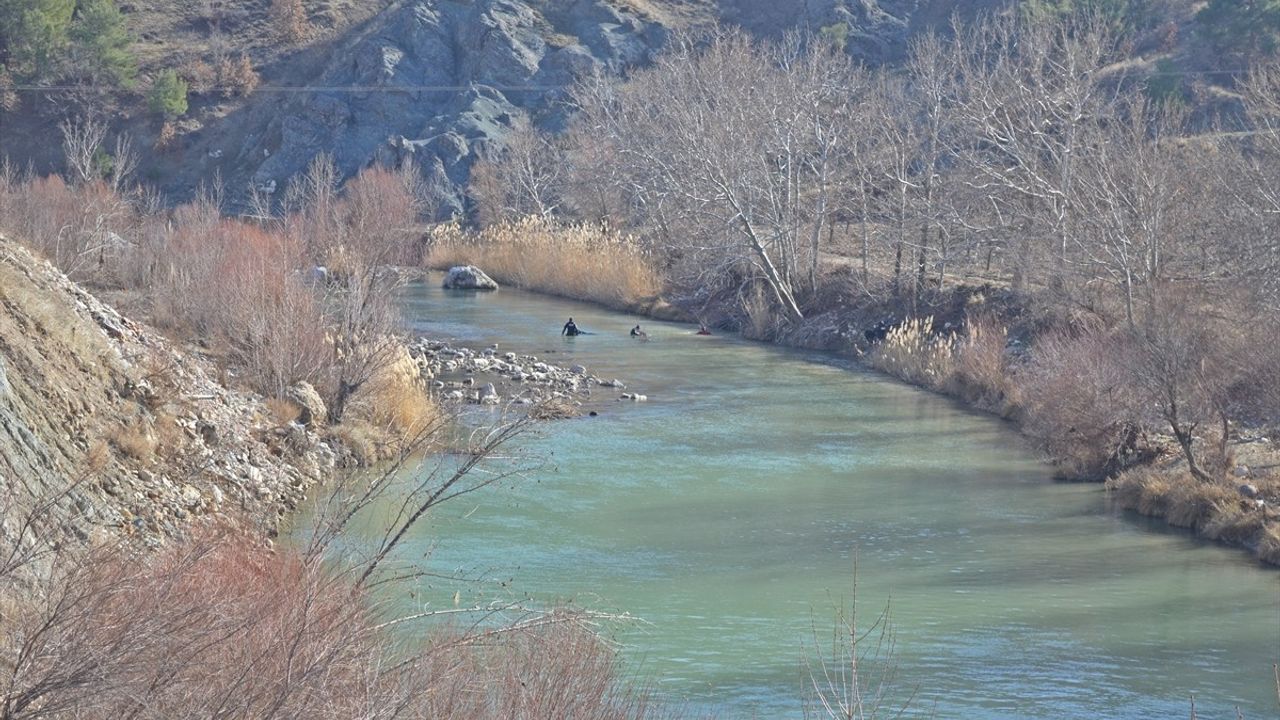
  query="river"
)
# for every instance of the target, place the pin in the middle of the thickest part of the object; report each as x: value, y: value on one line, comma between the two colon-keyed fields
x: 726, y: 512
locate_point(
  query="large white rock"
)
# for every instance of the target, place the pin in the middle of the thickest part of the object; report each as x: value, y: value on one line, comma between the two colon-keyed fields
x: 468, y: 277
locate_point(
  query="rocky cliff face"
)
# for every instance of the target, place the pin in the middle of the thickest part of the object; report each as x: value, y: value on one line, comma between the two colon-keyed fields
x: 118, y: 431
x: 443, y: 82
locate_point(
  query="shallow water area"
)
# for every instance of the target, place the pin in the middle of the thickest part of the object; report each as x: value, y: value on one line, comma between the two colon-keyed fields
x: 727, y: 511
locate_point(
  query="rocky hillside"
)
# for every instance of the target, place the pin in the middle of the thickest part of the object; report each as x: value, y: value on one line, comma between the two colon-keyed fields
x: 120, y: 431
x: 441, y: 81
x: 444, y: 81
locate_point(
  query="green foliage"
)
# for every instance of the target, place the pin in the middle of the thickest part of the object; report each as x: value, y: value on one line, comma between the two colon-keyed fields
x: 99, y: 33
x: 168, y: 96
x: 836, y: 33
x: 1165, y: 84
x: 1243, y: 27
x: 44, y: 39
x: 103, y: 163
x: 33, y: 35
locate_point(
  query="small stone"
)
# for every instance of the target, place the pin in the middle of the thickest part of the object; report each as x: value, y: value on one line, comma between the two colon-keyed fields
x: 190, y: 496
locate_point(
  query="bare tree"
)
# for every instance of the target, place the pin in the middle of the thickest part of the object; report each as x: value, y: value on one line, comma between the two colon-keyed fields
x: 82, y: 138
x: 124, y: 162
x: 743, y: 162
x: 1133, y: 190
x: 1034, y: 87
x: 527, y: 176
x: 376, y: 220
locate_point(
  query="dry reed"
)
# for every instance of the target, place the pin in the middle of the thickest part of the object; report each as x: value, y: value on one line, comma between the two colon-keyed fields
x: 582, y: 262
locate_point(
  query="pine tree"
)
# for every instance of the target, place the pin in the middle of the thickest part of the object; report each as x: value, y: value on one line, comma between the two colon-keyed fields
x: 33, y: 35
x: 102, y: 42
x: 168, y: 96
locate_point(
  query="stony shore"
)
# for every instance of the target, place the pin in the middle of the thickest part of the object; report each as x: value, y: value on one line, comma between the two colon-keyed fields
x: 464, y: 375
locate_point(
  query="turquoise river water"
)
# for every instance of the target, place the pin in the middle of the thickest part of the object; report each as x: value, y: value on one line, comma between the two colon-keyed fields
x: 725, y: 514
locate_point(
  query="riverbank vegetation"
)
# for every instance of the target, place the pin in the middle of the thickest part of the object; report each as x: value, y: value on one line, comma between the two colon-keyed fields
x: 217, y: 623
x: 1016, y: 216
x: 301, y: 300
x: 576, y: 260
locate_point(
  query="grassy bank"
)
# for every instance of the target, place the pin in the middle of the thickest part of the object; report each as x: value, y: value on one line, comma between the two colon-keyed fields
x: 1216, y: 511
x: 580, y: 262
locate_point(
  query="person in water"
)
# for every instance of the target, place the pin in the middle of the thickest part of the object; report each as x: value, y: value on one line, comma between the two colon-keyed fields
x: 703, y: 329
x: 570, y: 328
x: 636, y: 332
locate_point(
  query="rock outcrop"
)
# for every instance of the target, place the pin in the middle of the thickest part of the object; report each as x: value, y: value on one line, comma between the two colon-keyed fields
x: 311, y: 407
x: 444, y: 82
x: 468, y: 277
x: 120, y: 432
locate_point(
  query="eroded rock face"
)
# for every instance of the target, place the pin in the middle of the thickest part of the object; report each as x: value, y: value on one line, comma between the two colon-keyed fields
x: 468, y: 277
x: 445, y: 82
x: 121, y: 432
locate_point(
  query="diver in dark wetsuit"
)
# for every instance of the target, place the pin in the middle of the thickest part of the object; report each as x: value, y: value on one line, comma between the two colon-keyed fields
x: 570, y: 329
x: 636, y: 331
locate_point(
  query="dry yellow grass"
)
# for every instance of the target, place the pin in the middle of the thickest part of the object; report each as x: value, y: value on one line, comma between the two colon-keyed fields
x: 1216, y: 511
x: 134, y: 441
x: 913, y: 352
x: 575, y: 261
x: 283, y: 411
x: 390, y: 412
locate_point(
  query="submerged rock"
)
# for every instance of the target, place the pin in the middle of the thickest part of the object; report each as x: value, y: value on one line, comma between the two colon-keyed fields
x: 468, y: 277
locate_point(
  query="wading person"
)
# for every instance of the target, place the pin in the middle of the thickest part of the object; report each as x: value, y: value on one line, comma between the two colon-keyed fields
x: 570, y: 328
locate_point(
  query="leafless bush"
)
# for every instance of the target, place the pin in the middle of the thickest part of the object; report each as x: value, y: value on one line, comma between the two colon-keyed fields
x: 375, y: 228
x: 236, y: 77
x: 80, y: 229
x: 980, y: 370
x: 82, y: 139
x: 527, y: 178
x: 200, y: 76
x: 855, y: 673
x: 1077, y: 400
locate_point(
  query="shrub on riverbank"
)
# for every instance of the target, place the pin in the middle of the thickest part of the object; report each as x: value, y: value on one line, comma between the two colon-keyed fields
x: 221, y: 625
x: 578, y: 261
x: 392, y: 412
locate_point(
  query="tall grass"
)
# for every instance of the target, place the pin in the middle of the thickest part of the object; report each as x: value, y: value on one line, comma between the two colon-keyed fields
x: 913, y: 352
x: 971, y: 364
x: 1216, y: 511
x: 582, y: 262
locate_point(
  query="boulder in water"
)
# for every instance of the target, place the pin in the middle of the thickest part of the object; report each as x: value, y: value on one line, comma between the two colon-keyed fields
x: 468, y: 277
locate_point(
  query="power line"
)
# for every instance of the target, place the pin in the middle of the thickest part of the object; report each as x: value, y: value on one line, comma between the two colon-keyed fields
x: 317, y: 88
x: 470, y: 86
